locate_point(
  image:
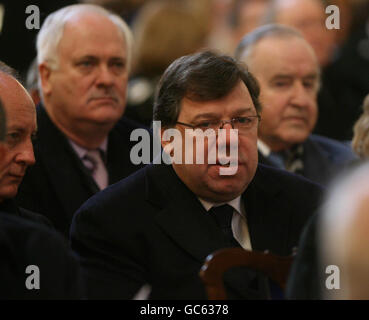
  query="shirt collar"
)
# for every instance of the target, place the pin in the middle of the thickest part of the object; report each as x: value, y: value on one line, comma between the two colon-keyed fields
x: 235, y: 204
x: 81, y: 152
x: 263, y: 148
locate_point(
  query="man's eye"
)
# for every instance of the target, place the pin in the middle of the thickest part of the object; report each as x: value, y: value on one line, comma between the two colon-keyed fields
x: 244, y: 120
x: 281, y: 84
x: 13, y: 137
x: 85, y: 64
x: 309, y: 84
x: 118, y: 64
x: 204, y: 125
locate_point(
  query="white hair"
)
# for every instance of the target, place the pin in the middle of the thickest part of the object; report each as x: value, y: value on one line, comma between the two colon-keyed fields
x: 52, y: 29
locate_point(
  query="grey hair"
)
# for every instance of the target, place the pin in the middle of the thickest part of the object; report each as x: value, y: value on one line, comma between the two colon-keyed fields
x: 248, y: 42
x: 52, y: 29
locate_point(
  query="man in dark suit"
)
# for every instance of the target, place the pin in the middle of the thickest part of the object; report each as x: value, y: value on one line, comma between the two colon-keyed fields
x: 83, y: 142
x: 158, y: 225
x: 287, y: 70
x: 36, y: 263
x: 17, y: 152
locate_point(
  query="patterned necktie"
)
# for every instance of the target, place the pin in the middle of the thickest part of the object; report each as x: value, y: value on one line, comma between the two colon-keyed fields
x: 290, y: 160
x: 93, y: 161
x: 223, y: 217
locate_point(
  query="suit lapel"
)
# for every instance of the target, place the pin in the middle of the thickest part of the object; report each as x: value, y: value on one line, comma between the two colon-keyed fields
x: 65, y: 170
x: 317, y: 165
x: 182, y: 217
x: 268, y: 216
x: 119, y: 164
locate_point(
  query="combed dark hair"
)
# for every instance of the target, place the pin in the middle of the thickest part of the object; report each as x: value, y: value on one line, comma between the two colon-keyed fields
x: 2, y: 122
x: 203, y: 76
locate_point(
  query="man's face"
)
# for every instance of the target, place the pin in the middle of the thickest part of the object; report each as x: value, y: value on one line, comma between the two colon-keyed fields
x: 288, y: 75
x: 205, y: 179
x: 309, y: 17
x: 89, y: 85
x: 21, y: 126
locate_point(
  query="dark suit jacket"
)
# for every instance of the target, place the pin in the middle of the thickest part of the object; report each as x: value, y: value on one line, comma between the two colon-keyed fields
x: 150, y: 228
x: 58, y: 184
x: 24, y: 243
x: 322, y: 158
x: 8, y: 206
x: 307, y: 274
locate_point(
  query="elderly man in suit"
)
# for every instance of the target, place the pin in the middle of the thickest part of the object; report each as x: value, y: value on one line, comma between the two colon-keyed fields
x: 83, y: 145
x: 29, y: 251
x: 158, y: 225
x: 286, y: 67
x: 17, y: 151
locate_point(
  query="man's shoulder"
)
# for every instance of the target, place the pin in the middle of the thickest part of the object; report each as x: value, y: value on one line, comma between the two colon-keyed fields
x: 26, y: 243
x: 126, y: 126
x: 121, y: 194
x: 335, y: 149
x: 293, y: 185
x: 35, y: 217
x: 270, y: 174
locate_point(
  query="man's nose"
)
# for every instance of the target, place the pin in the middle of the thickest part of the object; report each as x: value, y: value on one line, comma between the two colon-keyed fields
x: 104, y: 77
x: 228, y: 137
x: 27, y: 155
x: 301, y: 98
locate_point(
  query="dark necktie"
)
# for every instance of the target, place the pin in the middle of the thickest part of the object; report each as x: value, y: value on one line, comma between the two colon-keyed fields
x: 223, y: 217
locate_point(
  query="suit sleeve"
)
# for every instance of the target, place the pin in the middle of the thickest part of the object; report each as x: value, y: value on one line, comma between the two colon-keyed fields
x: 112, y: 266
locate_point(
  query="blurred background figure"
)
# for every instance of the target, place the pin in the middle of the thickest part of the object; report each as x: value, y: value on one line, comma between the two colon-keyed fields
x: 344, y: 236
x: 245, y: 16
x: 163, y: 31
x: 307, y: 16
x: 127, y: 9
x: 360, y: 141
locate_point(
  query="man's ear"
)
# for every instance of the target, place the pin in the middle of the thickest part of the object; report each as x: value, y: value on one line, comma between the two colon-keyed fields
x: 45, y: 74
x: 163, y: 143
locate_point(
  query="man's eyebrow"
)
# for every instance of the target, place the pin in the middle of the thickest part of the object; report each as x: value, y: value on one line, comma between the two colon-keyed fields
x: 212, y: 115
x: 88, y: 57
x: 282, y: 76
x: 16, y: 128
x: 243, y: 111
x: 312, y: 76
x: 206, y: 116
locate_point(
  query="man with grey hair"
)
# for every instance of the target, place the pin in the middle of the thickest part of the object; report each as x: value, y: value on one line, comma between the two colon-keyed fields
x: 287, y: 69
x: 84, y: 56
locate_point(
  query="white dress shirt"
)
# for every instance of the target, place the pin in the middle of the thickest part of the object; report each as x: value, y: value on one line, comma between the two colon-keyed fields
x: 239, y: 222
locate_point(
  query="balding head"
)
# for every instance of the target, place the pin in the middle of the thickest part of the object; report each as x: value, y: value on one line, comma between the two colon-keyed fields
x: 21, y: 126
x: 288, y: 73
